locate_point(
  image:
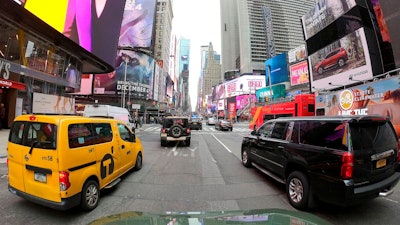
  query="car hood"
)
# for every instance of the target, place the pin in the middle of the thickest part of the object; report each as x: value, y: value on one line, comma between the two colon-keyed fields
x: 259, y: 216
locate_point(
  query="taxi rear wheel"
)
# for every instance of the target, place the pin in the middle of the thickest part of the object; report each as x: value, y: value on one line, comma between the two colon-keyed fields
x: 90, y: 195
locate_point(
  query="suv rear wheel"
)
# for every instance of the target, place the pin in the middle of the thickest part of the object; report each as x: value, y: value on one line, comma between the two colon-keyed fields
x: 298, y: 190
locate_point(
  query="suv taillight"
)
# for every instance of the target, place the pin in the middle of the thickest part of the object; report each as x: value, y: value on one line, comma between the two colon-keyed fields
x: 346, y: 171
x: 64, y: 181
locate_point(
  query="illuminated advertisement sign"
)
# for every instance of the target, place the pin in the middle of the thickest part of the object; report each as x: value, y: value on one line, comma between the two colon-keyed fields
x: 341, y: 63
x: 277, y: 68
x: 137, y: 23
x: 299, y: 73
x: 94, y: 27
x: 324, y: 13
x: 52, y: 104
x: 380, y: 97
x: 244, y: 85
x: 243, y: 100
x: 297, y: 54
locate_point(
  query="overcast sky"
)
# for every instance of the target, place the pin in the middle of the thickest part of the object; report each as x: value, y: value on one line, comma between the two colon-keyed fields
x: 199, y: 21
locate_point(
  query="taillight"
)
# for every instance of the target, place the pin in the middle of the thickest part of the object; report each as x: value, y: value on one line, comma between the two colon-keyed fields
x: 64, y: 181
x: 187, y: 130
x: 346, y: 171
x: 162, y: 130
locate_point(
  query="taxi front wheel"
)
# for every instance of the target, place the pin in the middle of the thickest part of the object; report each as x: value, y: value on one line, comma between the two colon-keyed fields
x: 90, y: 195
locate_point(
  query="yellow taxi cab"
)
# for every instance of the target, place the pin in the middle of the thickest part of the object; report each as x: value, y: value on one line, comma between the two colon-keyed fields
x: 64, y: 161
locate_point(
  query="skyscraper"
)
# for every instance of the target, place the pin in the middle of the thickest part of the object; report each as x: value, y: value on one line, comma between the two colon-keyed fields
x: 254, y: 30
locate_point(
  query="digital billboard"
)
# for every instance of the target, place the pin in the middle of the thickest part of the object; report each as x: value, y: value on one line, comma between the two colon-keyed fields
x: 381, y: 97
x: 137, y: 23
x: 244, y: 85
x: 297, y: 54
x: 341, y: 63
x: 299, y: 73
x: 94, y: 27
x: 324, y: 13
x: 277, y: 68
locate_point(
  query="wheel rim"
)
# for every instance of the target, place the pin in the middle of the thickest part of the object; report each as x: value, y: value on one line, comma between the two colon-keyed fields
x: 341, y: 62
x: 244, y: 157
x: 92, y: 195
x: 296, y: 190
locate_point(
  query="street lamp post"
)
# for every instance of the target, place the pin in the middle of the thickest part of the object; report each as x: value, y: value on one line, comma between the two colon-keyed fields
x: 124, y: 86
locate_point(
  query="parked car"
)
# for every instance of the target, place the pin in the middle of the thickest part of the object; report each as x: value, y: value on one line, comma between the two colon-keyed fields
x: 196, y: 124
x: 338, y: 57
x: 224, y: 125
x: 211, y: 121
x: 339, y: 160
x: 175, y: 128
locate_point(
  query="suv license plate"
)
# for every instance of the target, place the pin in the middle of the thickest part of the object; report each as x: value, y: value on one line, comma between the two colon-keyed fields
x: 40, y: 177
x: 380, y: 163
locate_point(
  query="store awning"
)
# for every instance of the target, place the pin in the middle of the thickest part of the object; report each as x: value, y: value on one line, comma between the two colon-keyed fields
x: 12, y: 84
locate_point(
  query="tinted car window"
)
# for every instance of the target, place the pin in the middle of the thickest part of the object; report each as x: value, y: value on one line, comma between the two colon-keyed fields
x: 103, y: 132
x: 266, y: 130
x: 279, y: 130
x: 367, y: 135
x: 175, y: 121
x: 80, y: 135
x: 323, y: 134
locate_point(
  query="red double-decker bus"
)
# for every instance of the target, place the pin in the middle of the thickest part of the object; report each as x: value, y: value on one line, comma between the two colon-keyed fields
x: 301, y: 105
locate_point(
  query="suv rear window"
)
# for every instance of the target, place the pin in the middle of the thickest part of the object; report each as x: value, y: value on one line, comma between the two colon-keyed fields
x: 372, y: 134
x: 169, y: 122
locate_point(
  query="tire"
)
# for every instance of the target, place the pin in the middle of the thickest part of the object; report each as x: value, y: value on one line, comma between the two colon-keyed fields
x: 231, y: 129
x: 139, y: 162
x: 245, y: 157
x: 298, y: 190
x: 90, y: 195
x: 320, y: 70
x: 340, y: 62
x: 163, y: 143
x: 176, y: 131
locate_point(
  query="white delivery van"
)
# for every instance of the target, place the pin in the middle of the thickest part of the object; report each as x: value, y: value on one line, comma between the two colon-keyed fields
x: 109, y: 111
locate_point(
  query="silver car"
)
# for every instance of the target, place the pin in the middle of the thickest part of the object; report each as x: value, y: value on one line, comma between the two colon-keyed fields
x: 211, y: 121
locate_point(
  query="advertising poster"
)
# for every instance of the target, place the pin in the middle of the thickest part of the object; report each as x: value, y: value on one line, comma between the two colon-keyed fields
x: 380, y: 98
x: 134, y: 74
x: 137, y: 23
x: 244, y: 85
x: 94, y: 27
x: 324, y: 13
x: 277, y: 69
x: 341, y: 63
x: 299, y: 73
x: 52, y: 104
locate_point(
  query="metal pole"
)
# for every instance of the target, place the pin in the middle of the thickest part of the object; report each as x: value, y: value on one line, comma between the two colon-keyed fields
x: 269, y: 82
x: 124, y: 86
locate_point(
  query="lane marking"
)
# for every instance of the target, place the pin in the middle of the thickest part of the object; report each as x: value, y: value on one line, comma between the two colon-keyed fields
x: 221, y: 143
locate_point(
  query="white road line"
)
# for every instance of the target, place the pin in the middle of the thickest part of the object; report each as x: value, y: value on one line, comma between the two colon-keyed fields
x: 221, y: 143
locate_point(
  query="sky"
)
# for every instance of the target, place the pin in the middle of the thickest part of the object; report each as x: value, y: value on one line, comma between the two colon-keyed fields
x: 198, y: 21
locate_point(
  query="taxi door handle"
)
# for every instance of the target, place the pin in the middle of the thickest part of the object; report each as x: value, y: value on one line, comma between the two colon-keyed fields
x: 123, y: 146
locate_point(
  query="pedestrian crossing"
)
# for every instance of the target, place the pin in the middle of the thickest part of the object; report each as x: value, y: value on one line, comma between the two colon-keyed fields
x: 206, y: 129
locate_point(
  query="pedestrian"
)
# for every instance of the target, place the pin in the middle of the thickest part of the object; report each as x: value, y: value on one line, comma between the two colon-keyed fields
x: 2, y: 116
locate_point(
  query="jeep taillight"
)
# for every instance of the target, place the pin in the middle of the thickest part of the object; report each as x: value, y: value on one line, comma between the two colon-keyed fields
x: 162, y: 130
x: 346, y: 171
x: 187, y: 130
x: 64, y: 181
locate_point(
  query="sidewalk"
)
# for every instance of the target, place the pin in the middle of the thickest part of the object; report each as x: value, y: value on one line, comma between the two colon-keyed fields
x: 3, y: 144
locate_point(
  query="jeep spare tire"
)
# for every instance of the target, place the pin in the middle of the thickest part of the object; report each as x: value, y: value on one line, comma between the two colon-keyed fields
x: 176, y: 131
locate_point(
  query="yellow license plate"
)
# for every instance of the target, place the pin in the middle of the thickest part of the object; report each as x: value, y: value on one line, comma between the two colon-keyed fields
x: 380, y: 163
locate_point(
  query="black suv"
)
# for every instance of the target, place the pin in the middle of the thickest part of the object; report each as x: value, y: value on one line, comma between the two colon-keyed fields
x: 175, y: 128
x: 339, y: 160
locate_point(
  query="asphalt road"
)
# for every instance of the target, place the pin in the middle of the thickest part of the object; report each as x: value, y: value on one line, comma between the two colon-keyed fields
x: 206, y: 176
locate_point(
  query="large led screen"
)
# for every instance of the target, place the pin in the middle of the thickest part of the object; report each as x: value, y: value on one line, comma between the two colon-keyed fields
x: 277, y: 68
x: 244, y: 85
x: 324, y: 13
x: 299, y: 73
x: 137, y: 23
x: 95, y: 27
x: 381, y: 98
x: 341, y: 63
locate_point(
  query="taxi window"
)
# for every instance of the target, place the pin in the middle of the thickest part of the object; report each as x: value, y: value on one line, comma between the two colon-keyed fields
x: 103, y: 133
x: 42, y: 135
x: 124, y: 132
x: 80, y: 135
